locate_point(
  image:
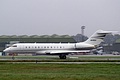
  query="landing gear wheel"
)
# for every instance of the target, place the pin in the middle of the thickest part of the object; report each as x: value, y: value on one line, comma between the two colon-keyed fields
x: 62, y: 56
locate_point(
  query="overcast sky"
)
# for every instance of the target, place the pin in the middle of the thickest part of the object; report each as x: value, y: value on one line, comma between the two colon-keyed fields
x: 40, y: 17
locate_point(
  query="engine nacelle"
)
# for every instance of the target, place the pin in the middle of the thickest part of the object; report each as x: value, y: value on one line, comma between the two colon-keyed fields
x: 84, y: 46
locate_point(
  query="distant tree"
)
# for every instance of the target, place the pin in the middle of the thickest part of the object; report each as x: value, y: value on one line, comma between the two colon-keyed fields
x: 80, y: 38
x: 117, y: 37
x: 110, y: 39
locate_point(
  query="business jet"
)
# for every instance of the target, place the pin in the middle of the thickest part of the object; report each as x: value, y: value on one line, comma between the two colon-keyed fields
x: 60, y: 49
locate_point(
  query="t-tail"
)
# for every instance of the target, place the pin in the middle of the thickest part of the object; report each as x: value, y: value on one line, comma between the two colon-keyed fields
x: 97, y: 37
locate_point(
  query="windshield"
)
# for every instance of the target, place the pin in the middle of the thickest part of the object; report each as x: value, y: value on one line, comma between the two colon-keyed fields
x: 14, y: 46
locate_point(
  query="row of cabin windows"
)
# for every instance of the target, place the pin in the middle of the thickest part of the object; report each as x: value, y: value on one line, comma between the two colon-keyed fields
x: 45, y: 47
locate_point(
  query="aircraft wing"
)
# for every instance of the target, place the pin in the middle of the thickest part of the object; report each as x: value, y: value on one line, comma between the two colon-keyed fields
x: 63, y: 51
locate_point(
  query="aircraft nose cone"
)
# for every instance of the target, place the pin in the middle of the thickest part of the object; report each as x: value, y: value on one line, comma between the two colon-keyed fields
x: 6, y: 50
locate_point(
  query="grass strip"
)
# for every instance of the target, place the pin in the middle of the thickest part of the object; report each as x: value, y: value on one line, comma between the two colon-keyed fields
x: 20, y: 71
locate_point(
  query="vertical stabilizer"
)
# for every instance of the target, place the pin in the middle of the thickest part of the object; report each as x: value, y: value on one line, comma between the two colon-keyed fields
x: 97, y: 37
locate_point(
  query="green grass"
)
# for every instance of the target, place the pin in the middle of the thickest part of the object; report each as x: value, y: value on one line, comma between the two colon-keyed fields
x: 22, y: 71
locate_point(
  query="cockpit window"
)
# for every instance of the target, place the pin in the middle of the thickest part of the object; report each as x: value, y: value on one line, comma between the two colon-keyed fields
x: 14, y: 46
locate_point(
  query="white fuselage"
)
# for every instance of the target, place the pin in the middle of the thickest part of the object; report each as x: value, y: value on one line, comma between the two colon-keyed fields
x: 61, y: 49
x: 47, y: 47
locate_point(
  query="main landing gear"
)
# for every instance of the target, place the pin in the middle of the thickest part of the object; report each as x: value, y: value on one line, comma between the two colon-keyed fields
x: 62, y: 56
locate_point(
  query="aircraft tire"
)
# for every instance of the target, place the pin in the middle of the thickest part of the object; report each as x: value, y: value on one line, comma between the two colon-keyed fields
x: 62, y: 56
